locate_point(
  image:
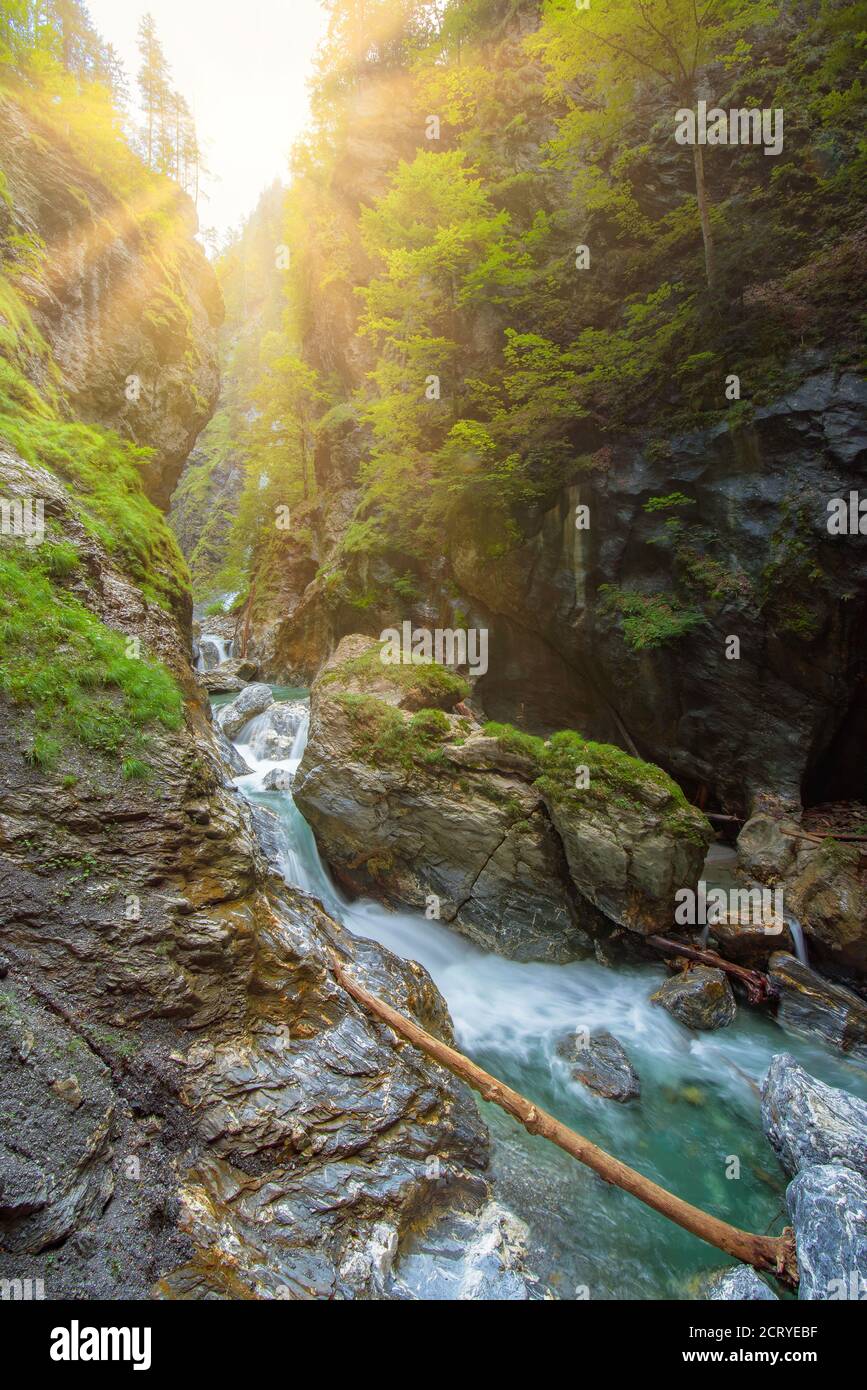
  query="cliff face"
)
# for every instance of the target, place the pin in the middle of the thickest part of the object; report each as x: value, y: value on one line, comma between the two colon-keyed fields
x: 750, y: 554
x: 123, y: 295
x: 702, y: 614
x: 176, y: 1059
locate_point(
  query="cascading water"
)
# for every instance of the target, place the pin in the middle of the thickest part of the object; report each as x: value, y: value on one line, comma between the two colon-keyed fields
x: 213, y: 651
x: 696, y: 1129
x: 797, y: 932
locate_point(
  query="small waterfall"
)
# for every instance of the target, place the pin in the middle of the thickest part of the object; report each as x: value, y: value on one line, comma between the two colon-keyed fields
x: 213, y: 651
x: 300, y: 741
x: 799, y: 939
x: 697, y: 1089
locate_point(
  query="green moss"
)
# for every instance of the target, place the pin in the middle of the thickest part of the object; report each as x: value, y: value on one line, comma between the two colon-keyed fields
x: 385, y: 737
x: 712, y: 578
x: 435, y: 685
x: 618, y: 779
x: 649, y: 620
x: 57, y: 658
x: 512, y: 739
x: 105, y: 473
x: 430, y: 724
x: 790, y: 591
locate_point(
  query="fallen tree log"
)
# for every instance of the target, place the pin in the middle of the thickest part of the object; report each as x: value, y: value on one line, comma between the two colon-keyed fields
x: 772, y: 1254
x: 758, y: 986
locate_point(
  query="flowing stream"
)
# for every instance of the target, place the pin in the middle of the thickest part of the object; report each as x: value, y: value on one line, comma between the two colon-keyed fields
x: 696, y: 1129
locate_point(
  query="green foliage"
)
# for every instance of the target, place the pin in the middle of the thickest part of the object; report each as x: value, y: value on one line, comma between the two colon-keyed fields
x: 668, y: 502
x: 431, y: 683
x: 649, y: 620
x: 386, y: 737
x: 57, y: 658
x: 464, y: 267
x: 105, y: 475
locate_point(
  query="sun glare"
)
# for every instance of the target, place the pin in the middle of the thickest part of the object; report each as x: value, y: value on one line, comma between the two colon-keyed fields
x: 246, y: 83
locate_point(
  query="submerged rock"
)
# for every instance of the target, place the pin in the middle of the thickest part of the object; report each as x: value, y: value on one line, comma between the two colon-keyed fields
x: 251, y: 701
x: 602, y: 1065
x: 738, y: 1284
x: 279, y: 779
x: 700, y: 998
x: 813, y: 1007
x: 828, y: 1208
x: 807, y: 1122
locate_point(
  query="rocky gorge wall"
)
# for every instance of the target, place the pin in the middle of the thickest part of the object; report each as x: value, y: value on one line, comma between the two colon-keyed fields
x: 746, y: 553
x: 124, y: 296
x: 191, y: 1106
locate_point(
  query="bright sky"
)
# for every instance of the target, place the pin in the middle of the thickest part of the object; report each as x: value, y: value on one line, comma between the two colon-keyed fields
x: 243, y: 66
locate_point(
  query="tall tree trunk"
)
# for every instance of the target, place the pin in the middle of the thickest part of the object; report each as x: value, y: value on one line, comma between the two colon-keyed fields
x: 704, y: 215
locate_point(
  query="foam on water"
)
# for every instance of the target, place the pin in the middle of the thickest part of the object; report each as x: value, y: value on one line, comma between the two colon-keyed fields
x: 699, y: 1102
x: 222, y: 645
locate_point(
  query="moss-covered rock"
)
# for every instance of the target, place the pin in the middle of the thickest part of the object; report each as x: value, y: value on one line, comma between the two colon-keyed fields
x: 531, y: 847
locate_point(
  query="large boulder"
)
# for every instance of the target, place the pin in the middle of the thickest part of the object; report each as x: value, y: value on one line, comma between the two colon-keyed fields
x: 486, y: 829
x: 813, y: 1007
x: 828, y: 1208
x: 764, y: 851
x: 220, y: 681
x: 822, y: 882
x: 250, y: 702
x: 810, y: 1123
x: 700, y: 998
x: 828, y: 895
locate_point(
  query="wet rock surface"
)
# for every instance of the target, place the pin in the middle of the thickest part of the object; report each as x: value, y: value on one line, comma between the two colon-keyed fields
x: 813, y: 1006
x: 824, y: 883
x: 737, y: 1285
x: 700, y: 998
x: 517, y: 870
x: 809, y: 1123
x: 172, y: 1037
x: 252, y: 700
x: 827, y: 1205
x: 790, y: 712
x: 601, y: 1064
